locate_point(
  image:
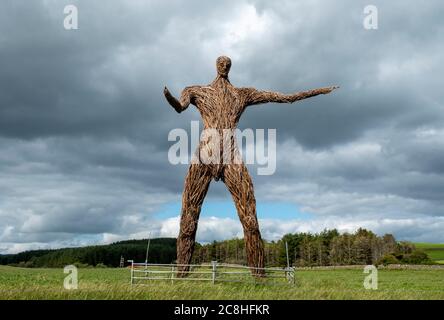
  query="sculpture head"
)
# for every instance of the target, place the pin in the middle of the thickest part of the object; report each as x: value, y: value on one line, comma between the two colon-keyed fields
x: 223, y: 65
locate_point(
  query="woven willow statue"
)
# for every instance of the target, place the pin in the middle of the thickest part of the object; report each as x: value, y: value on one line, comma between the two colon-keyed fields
x: 221, y: 106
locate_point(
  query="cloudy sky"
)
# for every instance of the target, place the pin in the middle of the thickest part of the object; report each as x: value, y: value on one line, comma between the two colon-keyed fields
x: 84, y: 125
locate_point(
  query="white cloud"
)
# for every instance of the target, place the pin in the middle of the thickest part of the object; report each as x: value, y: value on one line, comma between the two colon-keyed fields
x: 83, y: 123
x: 418, y: 229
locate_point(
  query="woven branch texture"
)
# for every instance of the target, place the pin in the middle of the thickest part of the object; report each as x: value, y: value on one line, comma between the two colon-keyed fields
x: 221, y: 106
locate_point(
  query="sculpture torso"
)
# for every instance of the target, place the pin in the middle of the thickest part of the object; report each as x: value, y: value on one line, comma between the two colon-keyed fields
x: 220, y: 105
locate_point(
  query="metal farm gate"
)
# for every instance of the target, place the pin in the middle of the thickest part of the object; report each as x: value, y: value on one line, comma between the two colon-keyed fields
x: 214, y: 272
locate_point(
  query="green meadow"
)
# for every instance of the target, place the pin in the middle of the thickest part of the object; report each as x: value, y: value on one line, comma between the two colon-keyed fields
x: 434, y: 250
x: 322, y: 283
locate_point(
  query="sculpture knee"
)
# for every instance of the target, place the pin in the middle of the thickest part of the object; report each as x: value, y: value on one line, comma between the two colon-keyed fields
x: 193, y: 199
x: 188, y: 226
x: 251, y: 226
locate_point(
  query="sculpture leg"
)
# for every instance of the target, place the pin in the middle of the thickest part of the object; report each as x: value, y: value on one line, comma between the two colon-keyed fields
x: 240, y: 185
x: 196, y: 186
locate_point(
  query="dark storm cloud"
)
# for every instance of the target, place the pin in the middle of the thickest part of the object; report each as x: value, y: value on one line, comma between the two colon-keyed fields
x: 58, y: 83
x: 378, y: 71
x: 84, y: 125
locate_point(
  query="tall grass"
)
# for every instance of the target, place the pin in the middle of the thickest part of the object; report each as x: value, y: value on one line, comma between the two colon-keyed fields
x: 19, y: 283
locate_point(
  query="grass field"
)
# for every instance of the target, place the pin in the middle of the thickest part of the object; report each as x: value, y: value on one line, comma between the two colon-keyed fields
x: 20, y: 283
x: 434, y: 251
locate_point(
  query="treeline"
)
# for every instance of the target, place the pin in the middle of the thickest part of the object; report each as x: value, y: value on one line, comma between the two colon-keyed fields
x: 326, y: 248
x: 162, y: 250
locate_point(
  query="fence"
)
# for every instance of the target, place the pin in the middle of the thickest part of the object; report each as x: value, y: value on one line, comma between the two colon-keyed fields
x: 214, y: 272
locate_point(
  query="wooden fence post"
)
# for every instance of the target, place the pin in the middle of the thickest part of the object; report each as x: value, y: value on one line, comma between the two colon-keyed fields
x: 132, y: 272
x: 293, y: 273
x: 214, y: 264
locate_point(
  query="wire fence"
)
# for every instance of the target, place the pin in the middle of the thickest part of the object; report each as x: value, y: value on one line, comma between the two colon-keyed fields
x: 212, y: 272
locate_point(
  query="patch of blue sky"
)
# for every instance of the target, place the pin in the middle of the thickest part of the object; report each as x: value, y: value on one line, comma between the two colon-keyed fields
x: 226, y: 209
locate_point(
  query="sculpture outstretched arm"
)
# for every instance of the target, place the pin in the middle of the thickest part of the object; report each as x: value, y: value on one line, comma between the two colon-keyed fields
x: 254, y: 96
x: 185, y: 99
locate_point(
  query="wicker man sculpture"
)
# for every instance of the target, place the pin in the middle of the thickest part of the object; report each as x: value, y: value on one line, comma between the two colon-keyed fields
x: 221, y: 106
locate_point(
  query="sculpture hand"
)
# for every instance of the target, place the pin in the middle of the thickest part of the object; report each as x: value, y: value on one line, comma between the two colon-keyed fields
x: 176, y: 104
x: 329, y: 89
x: 167, y: 93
